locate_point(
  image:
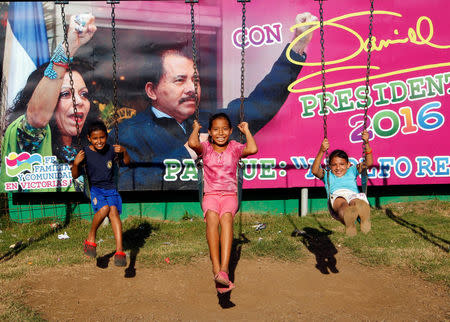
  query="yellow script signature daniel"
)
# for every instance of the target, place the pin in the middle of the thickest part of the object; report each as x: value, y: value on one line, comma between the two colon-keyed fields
x: 414, y: 37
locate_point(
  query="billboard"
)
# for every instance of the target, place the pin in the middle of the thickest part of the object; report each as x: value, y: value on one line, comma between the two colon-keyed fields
x: 408, y: 105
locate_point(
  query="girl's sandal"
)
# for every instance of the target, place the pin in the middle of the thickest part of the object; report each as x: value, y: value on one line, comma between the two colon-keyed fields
x: 222, y: 290
x: 222, y: 278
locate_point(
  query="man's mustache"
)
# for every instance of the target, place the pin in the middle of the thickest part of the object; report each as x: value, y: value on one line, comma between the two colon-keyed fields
x: 187, y: 98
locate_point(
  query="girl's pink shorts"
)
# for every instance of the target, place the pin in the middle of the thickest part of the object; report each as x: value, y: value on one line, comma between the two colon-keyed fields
x: 220, y: 202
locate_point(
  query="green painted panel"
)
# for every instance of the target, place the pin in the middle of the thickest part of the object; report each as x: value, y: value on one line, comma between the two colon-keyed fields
x: 176, y: 210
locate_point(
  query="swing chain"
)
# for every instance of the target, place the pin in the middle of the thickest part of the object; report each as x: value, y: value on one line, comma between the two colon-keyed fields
x: 324, y: 107
x: 69, y: 68
x: 114, y: 75
x: 241, y: 109
x: 322, y: 52
x: 369, y: 53
x: 194, y: 59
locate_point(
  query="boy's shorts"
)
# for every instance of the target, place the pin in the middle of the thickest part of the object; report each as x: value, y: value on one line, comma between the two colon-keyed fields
x: 105, y: 197
x: 220, y: 202
x: 348, y: 195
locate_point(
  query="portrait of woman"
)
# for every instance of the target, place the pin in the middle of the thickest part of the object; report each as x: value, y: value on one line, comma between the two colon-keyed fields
x: 43, y: 118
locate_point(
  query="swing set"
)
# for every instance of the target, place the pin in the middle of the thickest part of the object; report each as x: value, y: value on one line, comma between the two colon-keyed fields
x: 199, y: 162
x: 364, y: 177
x: 240, y: 168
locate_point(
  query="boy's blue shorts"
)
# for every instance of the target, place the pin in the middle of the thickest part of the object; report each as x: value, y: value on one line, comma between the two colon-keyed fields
x: 105, y: 197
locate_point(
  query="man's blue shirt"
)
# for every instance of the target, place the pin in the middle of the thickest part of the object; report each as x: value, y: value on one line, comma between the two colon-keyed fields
x: 150, y: 139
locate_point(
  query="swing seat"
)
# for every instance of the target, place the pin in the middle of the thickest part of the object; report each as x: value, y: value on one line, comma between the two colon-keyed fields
x: 364, y: 180
x: 240, y: 180
x: 86, y: 187
x: 331, y: 210
x: 199, y: 165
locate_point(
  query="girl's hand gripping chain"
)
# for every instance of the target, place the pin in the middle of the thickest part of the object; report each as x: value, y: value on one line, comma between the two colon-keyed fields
x: 250, y: 147
x: 194, y: 141
x: 196, y: 126
x: 243, y: 127
x: 316, y: 169
x: 369, y: 159
x: 325, y: 145
x: 365, y: 136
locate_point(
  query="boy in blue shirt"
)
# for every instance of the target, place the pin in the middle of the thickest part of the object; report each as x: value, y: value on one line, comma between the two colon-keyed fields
x: 346, y: 201
x: 99, y: 158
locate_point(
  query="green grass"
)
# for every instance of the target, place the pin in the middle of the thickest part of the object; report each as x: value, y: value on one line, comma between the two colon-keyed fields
x: 408, y: 235
x: 13, y: 309
x: 413, y: 236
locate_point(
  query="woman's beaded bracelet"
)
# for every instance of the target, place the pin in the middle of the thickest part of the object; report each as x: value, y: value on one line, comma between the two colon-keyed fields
x: 59, y: 58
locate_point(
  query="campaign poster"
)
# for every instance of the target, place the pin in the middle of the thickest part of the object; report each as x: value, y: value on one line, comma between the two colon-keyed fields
x: 406, y: 113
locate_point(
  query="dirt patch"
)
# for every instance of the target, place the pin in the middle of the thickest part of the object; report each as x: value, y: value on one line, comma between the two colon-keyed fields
x: 265, y: 290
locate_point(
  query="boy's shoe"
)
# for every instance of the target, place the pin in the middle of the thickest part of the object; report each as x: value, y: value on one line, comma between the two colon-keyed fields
x: 222, y: 278
x: 90, y: 249
x: 350, y: 215
x: 120, y: 259
x: 363, y: 209
x: 220, y: 289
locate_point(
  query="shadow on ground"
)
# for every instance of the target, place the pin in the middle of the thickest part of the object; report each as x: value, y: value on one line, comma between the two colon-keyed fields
x: 133, y: 240
x: 442, y: 243
x: 318, y: 242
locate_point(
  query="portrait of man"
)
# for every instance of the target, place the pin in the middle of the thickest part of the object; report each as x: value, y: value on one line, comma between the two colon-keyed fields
x: 161, y: 130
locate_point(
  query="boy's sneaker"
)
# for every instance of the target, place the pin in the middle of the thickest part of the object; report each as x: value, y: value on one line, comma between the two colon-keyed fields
x: 90, y: 249
x: 120, y: 259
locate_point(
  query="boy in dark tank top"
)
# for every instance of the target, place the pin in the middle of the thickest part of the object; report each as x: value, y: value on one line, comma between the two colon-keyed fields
x: 98, y: 159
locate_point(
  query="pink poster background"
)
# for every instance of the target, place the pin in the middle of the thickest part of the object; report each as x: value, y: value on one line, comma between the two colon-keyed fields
x: 410, y: 79
x: 417, y: 150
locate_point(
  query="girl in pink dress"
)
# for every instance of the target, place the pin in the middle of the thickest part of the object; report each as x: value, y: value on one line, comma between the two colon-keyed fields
x: 220, y: 202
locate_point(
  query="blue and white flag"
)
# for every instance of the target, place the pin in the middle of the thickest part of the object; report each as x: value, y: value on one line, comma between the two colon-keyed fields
x: 26, y: 45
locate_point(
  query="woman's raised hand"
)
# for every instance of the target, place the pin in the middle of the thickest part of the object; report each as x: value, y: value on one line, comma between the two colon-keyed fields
x: 81, y: 29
